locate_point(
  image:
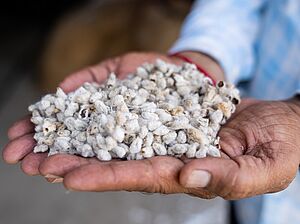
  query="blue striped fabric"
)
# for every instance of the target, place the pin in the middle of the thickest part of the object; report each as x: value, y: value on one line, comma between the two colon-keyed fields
x: 257, y: 41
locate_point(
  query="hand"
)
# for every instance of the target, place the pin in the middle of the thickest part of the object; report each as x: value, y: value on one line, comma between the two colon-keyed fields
x: 128, y: 63
x: 261, y: 155
x: 20, y: 134
x: 262, y: 145
x: 258, y: 141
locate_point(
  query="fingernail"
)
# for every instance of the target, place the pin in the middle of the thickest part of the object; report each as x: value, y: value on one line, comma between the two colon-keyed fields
x: 51, y: 176
x: 55, y: 180
x: 198, y: 178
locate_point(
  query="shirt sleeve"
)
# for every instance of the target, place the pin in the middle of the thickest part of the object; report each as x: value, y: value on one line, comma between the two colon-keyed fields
x: 227, y: 31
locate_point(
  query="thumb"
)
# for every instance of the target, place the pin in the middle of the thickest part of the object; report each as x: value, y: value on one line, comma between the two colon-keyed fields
x: 236, y: 178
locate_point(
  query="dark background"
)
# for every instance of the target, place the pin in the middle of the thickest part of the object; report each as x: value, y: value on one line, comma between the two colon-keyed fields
x: 24, y: 26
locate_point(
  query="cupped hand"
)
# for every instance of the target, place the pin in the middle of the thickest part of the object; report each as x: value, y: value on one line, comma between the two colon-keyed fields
x: 262, y: 143
x: 21, y: 142
x: 261, y: 155
x: 260, y: 147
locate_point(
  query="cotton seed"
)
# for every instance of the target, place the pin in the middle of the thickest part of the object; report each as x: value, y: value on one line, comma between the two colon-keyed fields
x: 161, y: 109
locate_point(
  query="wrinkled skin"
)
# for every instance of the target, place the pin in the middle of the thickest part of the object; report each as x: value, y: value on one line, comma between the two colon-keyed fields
x: 260, y: 150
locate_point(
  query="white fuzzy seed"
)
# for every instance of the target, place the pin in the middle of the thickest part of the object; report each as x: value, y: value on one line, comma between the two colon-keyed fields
x: 158, y: 110
x: 136, y: 145
x: 159, y: 149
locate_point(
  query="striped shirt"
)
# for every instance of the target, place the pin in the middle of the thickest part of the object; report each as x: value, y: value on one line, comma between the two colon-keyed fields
x: 257, y: 43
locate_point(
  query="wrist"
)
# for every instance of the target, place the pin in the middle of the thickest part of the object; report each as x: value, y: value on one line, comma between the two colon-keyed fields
x: 210, y: 65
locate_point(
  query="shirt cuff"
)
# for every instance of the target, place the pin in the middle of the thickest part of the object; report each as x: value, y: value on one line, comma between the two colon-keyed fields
x: 212, y: 48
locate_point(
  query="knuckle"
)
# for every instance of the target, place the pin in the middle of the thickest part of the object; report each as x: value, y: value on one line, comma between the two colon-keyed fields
x: 234, y: 186
x: 239, y: 189
x: 229, y: 185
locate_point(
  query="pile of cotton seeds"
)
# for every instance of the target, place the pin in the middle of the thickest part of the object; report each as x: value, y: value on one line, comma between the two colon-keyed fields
x: 161, y: 109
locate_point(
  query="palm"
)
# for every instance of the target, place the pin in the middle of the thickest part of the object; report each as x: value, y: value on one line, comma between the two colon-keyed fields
x: 21, y: 133
x: 21, y: 141
x: 258, y: 138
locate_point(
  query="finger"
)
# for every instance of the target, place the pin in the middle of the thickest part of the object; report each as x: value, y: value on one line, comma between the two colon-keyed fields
x: 150, y: 175
x: 30, y: 164
x: 60, y: 164
x: 236, y: 178
x: 15, y: 150
x: 220, y: 176
x: 119, y: 176
x: 20, y: 128
x: 232, y: 141
x: 236, y: 135
x: 97, y: 73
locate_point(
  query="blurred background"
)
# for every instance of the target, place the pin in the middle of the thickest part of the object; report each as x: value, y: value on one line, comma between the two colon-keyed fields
x: 41, y: 42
